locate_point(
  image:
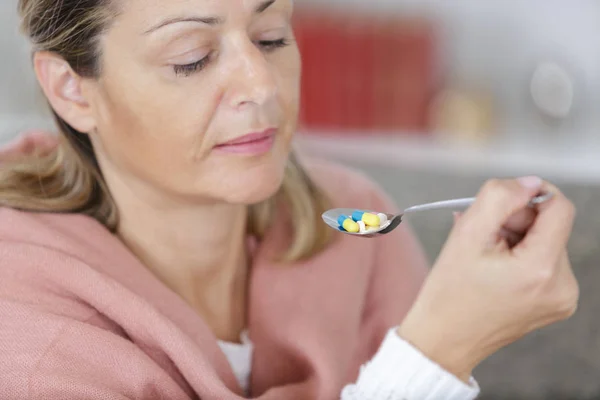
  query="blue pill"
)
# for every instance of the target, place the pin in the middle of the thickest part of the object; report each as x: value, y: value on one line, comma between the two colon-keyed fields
x: 357, y: 215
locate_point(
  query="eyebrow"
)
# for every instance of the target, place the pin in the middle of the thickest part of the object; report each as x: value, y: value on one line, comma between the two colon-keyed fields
x: 262, y: 7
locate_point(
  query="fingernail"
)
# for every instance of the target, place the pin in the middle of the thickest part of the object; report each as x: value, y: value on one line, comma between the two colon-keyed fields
x: 530, y: 182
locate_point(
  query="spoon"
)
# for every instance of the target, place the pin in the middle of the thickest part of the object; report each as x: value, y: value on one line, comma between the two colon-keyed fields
x: 331, y: 216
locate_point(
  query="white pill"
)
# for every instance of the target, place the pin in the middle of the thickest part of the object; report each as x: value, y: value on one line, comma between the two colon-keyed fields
x: 383, y: 219
x: 362, y: 227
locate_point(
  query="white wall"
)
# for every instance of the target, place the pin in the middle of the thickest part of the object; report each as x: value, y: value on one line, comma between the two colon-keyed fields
x: 17, y: 86
x: 20, y: 101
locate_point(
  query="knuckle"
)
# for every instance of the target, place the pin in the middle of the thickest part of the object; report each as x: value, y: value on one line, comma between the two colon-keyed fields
x: 569, y: 305
x: 544, y: 275
x: 491, y: 185
x: 496, y: 188
x: 572, y: 309
x: 566, y: 210
x: 568, y: 299
x: 567, y: 204
x: 573, y: 296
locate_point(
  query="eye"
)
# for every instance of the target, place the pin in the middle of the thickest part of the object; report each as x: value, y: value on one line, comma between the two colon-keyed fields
x: 270, y: 45
x: 189, y: 69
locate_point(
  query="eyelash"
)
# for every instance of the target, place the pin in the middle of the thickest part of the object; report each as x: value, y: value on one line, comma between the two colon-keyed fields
x: 189, y: 69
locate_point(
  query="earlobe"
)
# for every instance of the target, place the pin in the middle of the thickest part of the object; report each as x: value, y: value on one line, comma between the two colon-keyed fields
x: 62, y: 87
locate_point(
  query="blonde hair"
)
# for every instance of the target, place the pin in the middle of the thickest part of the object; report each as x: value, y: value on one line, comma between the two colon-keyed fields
x: 69, y: 179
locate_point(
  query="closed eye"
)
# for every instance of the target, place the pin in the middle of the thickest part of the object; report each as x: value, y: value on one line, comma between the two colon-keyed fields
x: 273, y: 44
x: 189, y: 69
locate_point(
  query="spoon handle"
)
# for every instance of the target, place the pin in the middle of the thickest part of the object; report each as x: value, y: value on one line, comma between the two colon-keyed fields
x: 439, y: 205
x: 465, y: 203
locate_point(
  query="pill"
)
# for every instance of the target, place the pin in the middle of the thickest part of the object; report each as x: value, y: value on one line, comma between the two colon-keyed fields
x: 371, y: 219
x: 368, y: 218
x: 350, y: 226
x: 357, y: 215
x: 362, y: 227
x: 347, y: 224
x: 383, y: 219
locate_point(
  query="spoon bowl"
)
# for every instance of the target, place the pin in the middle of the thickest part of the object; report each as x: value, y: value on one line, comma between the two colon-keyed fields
x: 330, y: 217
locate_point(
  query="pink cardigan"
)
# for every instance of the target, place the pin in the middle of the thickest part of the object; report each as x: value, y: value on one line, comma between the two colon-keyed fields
x: 82, y: 318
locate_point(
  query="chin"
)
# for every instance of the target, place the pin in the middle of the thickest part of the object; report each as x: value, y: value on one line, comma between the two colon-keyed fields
x: 254, y: 186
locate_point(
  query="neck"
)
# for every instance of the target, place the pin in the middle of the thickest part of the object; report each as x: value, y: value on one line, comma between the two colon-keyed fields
x: 199, y: 252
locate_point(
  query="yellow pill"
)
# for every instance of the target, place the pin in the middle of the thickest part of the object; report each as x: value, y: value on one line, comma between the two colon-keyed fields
x: 350, y: 226
x: 371, y: 220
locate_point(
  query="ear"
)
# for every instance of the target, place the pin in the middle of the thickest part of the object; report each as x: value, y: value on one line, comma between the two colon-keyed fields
x: 63, y: 89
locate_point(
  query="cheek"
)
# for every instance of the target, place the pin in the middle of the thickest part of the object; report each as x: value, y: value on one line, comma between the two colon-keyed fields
x: 291, y: 72
x: 152, y: 126
x: 289, y: 75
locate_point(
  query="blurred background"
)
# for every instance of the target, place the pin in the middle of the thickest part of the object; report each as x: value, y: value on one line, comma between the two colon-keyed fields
x: 431, y: 98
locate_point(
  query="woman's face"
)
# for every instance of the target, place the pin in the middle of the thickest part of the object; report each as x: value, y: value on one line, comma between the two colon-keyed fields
x: 197, y: 98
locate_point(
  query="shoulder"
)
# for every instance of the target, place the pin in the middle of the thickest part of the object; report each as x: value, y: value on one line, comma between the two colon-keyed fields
x: 347, y: 186
x: 71, y: 234
x: 52, y: 253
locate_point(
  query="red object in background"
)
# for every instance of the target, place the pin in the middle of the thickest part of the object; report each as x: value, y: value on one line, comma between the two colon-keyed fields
x: 362, y: 72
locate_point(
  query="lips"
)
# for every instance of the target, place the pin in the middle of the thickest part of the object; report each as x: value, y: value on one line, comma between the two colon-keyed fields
x: 251, y: 137
x: 253, y: 143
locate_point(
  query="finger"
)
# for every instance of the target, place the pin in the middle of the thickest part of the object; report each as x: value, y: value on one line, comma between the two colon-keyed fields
x: 496, y: 202
x: 512, y: 238
x: 521, y: 221
x: 568, y: 286
x: 16, y: 146
x: 564, y: 293
x: 41, y: 141
x: 548, y: 236
x: 516, y: 227
x: 28, y: 143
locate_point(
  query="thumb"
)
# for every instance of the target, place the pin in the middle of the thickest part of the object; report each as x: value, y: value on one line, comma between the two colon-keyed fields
x: 496, y: 202
x: 17, y: 145
x: 551, y: 230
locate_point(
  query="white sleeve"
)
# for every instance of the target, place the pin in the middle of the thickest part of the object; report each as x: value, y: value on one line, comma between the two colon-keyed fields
x: 401, y: 372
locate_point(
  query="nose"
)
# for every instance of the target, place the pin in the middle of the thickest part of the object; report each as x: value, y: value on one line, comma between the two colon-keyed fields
x: 253, y: 79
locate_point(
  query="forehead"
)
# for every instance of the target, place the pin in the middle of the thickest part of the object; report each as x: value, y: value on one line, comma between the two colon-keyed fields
x: 170, y: 5
x: 151, y: 11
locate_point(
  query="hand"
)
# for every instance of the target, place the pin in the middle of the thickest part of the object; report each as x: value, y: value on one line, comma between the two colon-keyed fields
x: 515, y: 227
x: 28, y: 143
x: 485, y: 291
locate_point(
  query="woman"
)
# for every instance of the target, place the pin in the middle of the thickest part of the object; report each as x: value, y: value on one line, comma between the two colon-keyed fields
x: 170, y: 246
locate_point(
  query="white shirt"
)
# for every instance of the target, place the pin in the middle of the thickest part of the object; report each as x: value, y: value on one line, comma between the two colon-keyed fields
x: 240, y: 358
x: 397, y: 372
